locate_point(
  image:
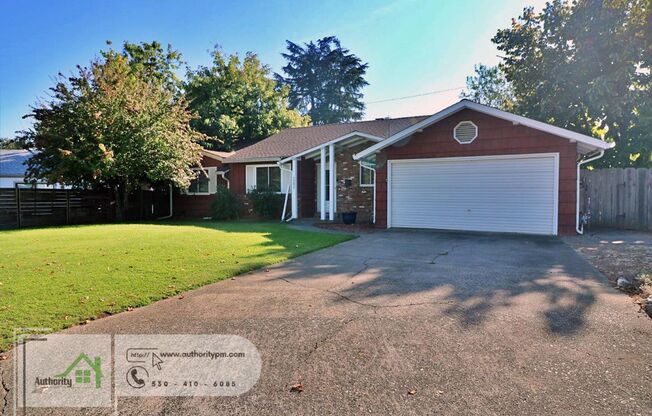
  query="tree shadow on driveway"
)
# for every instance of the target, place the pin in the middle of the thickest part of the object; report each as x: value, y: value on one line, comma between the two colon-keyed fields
x: 473, y: 276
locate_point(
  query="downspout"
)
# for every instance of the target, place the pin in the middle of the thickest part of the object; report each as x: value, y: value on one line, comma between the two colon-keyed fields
x: 223, y: 175
x: 579, y: 227
x: 171, y: 212
x: 373, y: 214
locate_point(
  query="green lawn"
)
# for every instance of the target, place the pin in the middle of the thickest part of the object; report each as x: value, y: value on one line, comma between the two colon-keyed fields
x: 57, y: 277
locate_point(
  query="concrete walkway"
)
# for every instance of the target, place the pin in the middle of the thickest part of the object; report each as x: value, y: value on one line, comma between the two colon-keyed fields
x: 471, y: 324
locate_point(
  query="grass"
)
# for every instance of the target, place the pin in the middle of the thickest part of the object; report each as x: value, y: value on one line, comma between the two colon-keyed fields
x: 61, y: 276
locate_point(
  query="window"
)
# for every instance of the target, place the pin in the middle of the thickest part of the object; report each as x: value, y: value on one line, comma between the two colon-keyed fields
x: 82, y: 376
x: 268, y: 177
x: 366, y: 176
x: 204, y: 183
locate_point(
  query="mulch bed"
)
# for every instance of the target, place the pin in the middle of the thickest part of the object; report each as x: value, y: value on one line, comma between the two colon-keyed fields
x: 617, y: 259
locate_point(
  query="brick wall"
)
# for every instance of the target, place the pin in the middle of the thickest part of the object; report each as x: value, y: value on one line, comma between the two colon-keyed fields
x: 197, y: 206
x: 495, y: 137
x: 238, y: 180
x: 350, y: 195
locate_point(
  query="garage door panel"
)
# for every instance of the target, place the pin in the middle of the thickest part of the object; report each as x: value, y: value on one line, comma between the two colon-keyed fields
x: 508, y: 194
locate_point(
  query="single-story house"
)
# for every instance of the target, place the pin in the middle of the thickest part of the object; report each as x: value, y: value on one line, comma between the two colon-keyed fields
x: 467, y: 167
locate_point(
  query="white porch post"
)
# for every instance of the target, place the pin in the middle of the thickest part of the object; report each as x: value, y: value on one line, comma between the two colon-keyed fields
x: 322, y: 184
x: 331, y: 182
x: 295, y: 190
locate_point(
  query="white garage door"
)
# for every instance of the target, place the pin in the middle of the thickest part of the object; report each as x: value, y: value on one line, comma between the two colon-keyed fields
x: 515, y: 194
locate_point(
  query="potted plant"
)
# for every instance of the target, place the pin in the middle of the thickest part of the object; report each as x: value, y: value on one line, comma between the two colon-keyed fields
x: 348, y: 218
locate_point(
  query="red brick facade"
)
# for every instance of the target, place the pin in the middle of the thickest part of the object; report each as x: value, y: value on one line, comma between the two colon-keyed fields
x: 350, y: 195
x: 495, y: 137
x: 197, y: 206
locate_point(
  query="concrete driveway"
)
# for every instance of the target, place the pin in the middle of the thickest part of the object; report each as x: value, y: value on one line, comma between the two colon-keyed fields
x: 473, y: 324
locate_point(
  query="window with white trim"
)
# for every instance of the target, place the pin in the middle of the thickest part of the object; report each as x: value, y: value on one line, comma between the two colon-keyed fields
x: 268, y: 177
x: 204, y: 183
x: 367, y: 176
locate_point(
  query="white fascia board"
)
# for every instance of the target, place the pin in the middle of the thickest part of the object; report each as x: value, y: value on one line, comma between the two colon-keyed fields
x: 212, y: 156
x: 465, y: 104
x: 335, y: 140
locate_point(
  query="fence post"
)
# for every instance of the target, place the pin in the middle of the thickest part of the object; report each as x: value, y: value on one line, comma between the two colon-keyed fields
x: 18, y: 205
x: 67, y: 206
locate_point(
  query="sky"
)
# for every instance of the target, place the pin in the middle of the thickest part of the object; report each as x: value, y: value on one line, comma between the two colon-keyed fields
x: 412, y: 46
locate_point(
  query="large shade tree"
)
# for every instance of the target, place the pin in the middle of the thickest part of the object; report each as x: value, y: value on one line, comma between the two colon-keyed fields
x: 325, y: 80
x: 585, y: 65
x: 238, y: 101
x: 489, y: 87
x: 113, y: 126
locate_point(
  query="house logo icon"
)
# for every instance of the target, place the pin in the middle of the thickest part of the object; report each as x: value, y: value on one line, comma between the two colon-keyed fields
x: 83, y: 371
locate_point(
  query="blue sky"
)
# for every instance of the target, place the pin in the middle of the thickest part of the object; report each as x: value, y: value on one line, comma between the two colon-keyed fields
x: 412, y: 46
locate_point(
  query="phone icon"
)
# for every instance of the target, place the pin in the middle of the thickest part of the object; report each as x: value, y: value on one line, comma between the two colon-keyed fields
x: 137, y: 377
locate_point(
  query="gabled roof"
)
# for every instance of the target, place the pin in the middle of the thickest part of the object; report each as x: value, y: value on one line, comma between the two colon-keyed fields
x: 585, y: 144
x: 290, y: 142
x: 12, y: 162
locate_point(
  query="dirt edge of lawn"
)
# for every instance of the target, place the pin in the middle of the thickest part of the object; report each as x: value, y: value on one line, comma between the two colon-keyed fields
x: 619, y: 258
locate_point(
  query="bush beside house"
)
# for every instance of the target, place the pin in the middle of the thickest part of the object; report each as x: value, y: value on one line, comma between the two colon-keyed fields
x: 265, y: 203
x: 225, y: 205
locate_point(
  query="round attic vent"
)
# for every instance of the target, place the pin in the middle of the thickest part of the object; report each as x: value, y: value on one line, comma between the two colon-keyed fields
x: 465, y: 132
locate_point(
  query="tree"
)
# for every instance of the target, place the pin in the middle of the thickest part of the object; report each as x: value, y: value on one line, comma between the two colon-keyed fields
x: 112, y: 126
x: 9, y: 144
x: 238, y: 100
x: 489, y: 87
x: 585, y: 66
x: 325, y: 81
x: 154, y: 62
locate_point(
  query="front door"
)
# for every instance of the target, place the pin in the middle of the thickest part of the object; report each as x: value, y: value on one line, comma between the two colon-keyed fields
x: 319, y: 179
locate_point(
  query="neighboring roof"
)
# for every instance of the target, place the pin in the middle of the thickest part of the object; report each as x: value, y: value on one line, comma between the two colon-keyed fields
x: 585, y: 144
x: 292, y: 141
x: 214, y: 154
x: 12, y: 162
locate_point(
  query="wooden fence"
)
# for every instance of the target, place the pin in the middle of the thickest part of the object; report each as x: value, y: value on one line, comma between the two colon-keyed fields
x: 617, y: 198
x: 27, y: 207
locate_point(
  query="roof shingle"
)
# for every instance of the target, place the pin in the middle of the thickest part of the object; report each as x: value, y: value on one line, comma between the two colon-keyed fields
x: 289, y: 142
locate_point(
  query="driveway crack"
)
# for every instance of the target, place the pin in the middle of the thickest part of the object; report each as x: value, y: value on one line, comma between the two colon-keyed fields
x: 325, y: 338
x: 365, y: 266
x: 445, y: 253
x: 365, y: 304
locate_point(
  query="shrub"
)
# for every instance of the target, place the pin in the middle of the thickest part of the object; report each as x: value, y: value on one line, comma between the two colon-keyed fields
x: 225, y: 205
x: 266, y: 203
